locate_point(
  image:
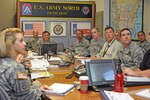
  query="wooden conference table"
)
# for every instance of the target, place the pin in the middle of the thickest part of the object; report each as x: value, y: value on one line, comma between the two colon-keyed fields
x: 59, y: 77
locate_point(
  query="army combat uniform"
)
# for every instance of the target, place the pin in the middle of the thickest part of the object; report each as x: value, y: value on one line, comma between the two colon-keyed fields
x: 32, y: 45
x: 79, y: 47
x: 15, y: 81
x: 41, y: 41
x: 145, y: 45
x: 95, y: 46
x: 131, y: 56
x: 109, y: 50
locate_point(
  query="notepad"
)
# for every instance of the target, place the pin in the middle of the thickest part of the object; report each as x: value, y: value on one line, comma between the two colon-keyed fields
x: 60, y: 89
x: 145, y: 93
x: 110, y: 95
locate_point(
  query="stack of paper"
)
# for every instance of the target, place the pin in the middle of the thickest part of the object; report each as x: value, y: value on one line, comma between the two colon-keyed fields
x: 145, y: 93
x: 39, y: 64
x: 60, y: 89
x: 109, y: 95
x: 41, y: 75
x: 54, y: 59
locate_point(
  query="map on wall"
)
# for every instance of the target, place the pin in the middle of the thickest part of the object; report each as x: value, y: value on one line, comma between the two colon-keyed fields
x: 127, y: 14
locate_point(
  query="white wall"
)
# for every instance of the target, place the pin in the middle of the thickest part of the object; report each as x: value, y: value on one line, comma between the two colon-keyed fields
x: 99, y: 5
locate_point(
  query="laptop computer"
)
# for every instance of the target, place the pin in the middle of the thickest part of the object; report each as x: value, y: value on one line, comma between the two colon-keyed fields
x: 101, y: 73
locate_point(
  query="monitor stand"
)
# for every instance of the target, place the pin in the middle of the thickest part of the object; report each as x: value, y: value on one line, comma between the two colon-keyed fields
x: 103, y: 87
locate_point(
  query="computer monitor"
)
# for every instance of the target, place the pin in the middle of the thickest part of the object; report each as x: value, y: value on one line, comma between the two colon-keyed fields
x: 101, y: 72
x: 46, y: 47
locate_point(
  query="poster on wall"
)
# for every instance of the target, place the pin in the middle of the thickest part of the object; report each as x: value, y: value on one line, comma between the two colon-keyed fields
x: 28, y: 27
x: 84, y: 26
x: 57, y: 28
x: 127, y: 14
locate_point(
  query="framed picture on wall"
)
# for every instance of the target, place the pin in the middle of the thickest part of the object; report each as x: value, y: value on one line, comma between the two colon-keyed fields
x: 28, y: 27
x: 127, y: 14
x: 57, y: 28
x: 84, y: 26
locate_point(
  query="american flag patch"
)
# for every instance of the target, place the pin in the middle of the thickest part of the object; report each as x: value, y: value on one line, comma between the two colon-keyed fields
x: 22, y: 76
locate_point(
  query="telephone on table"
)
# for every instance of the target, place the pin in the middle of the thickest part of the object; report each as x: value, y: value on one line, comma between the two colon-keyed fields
x: 79, y: 70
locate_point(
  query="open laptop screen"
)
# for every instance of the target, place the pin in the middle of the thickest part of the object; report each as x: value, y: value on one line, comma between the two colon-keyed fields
x: 101, y: 72
x: 46, y: 47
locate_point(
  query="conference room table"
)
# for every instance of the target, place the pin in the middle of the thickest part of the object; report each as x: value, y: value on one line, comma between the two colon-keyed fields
x: 59, y: 77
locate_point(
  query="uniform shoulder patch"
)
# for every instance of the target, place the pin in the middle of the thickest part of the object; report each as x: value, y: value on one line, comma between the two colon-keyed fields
x: 22, y: 75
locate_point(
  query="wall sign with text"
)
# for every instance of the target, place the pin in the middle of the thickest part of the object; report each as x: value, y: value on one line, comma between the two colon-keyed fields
x: 41, y: 9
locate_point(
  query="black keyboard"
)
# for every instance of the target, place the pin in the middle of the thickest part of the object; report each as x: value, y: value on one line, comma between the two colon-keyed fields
x: 103, y: 87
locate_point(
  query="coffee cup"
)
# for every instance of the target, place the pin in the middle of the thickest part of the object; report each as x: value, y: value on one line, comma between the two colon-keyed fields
x: 83, y: 84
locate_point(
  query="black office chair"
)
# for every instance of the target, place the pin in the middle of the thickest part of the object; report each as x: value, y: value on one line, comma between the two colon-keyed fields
x: 60, y: 47
x: 3, y: 94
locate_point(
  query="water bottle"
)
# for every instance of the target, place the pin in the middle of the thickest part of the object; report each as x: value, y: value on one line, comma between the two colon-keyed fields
x: 119, y: 80
x: 72, y: 57
x: 40, y: 50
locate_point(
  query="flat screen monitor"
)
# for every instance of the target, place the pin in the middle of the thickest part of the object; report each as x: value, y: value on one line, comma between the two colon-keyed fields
x: 101, y: 72
x: 46, y: 47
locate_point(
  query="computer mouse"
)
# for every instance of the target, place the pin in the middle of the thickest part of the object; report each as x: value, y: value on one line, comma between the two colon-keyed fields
x: 69, y: 76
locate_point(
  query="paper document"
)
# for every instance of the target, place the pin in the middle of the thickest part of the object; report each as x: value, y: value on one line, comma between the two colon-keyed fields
x: 39, y: 64
x: 83, y: 60
x: 60, y: 89
x: 145, y: 93
x: 41, y: 75
x: 80, y: 57
x: 54, y: 59
x: 36, y: 57
x: 136, y: 79
x: 117, y: 96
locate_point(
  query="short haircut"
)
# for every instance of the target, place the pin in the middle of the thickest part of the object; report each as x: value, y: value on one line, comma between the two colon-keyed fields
x: 141, y: 32
x: 80, y: 31
x: 96, y: 29
x: 8, y: 37
x: 45, y: 32
x: 125, y: 29
x: 106, y: 28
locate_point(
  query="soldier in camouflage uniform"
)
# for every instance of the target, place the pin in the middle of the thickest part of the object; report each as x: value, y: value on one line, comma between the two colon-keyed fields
x: 143, y: 43
x: 110, y: 47
x: 45, y: 38
x: 32, y: 44
x: 96, y: 43
x: 130, y: 54
x: 88, y: 35
x: 144, y: 69
x: 80, y: 45
x: 13, y: 77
